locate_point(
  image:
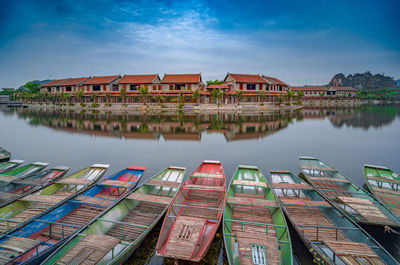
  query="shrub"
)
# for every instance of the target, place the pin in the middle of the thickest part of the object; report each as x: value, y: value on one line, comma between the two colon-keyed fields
x: 181, y: 105
x: 107, y: 104
x: 70, y: 104
x: 94, y: 105
x: 83, y: 105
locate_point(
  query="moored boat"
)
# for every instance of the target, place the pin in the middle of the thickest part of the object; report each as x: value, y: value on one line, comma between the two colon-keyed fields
x: 330, y: 235
x: 21, y: 172
x: 115, y: 234
x: 345, y: 194
x: 49, y: 230
x: 195, y: 214
x: 385, y: 185
x: 5, y: 166
x: 21, y: 187
x: 23, y: 209
x: 4, y: 155
x: 255, y: 230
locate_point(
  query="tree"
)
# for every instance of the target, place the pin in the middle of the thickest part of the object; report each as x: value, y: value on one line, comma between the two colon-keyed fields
x: 215, y: 82
x: 79, y: 95
x: 213, y: 95
x: 33, y: 87
x: 108, y: 97
x: 289, y: 96
x: 300, y: 96
x: 238, y: 95
x: 93, y: 97
x: 62, y: 96
x: 321, y: 94
x: 44, y: 95
x: 158, y: 98
x: 122, y: 94
x: 279, y: 99
x: 220, y: 95
x: 196, y: 96
x: 144, y: 91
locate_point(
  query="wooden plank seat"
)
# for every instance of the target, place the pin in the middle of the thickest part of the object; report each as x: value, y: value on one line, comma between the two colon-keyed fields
x: 117, y: 183
x: 6, y: 195
x: 292, y: 186
x: 14, y: 247
x: 329, y: 179
x: 184, y: 236
x: 245, y: 240
x: 366, y: 209
x: 150, y: 198
x: 72, y: 181
x: 207, y: 175
x: 298, y: 201
x: 318, y: 168
x: 350, y: 248
x: 44, y: 198
x: 89, y: 250
x: 157, y: 182
x: 392, y: 192
x: 250, y: 183
x: 36, y: 182
x: 93, y: 200
x: 252, y: 202
x: 384, y: 179
x: 7, y: 178
x: 204, y: 187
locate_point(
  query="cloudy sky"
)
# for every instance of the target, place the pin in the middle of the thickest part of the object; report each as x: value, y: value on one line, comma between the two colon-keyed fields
x: 301, y: 42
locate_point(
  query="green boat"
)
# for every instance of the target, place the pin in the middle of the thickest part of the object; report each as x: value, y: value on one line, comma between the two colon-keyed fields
x: 329, y: 234
x: 23, y: 209
x: 385, y: 185
x: 114, y: 235
x: 4, y: 155
x: 21, y: 172
x: 5, y: 166
x: 255, y: 230
x: 345, y: 194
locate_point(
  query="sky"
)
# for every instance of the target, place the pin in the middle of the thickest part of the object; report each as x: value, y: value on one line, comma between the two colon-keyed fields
x: 300, y: 42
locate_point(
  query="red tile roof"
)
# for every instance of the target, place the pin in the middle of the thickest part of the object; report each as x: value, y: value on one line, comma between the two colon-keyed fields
x: 181, y: 78
x: 244, y: 78
x: 137, y: 79
x: 309, y: 88
x: 345, y: 88
x: 53, y: 82
x: 73, y: 81
x: 276, y: 80
x: 96, y: 80
x: 215, y: 86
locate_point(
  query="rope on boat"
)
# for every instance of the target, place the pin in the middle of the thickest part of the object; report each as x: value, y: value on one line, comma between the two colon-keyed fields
x: 389, y: 230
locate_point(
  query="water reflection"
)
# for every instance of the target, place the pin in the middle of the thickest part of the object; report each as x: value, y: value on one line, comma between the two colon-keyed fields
x: 180, y: 126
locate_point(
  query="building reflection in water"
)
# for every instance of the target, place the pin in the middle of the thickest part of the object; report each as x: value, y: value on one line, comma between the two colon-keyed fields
x: 190, y: 127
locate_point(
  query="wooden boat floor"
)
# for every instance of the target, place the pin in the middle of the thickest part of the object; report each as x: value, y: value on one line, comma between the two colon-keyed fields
x: 117, y: 183
x: 29, y: 212
x: 366, y: 209
x: 252, y: 202
x: 250, y: 183
x: 78, y: 218
x: 244, y: 240
x: 389, y: 199
x: 313, y: 216
x: 73, y: 181
x: 14, y: 247
x: 333, y: 186
x: 184, y: 237
x: 150, y: 197
x: 145, y: 213
x: 89, y: 250
x: 293, y: 186
x: 349, y: 251
x: 303, y: 202
x: 95, y: 200
x: 204, y: 199
x: 4, y: 196
x: 157, y: 182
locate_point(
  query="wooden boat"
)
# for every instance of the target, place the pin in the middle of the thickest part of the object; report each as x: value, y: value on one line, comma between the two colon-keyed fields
x: 330, y: 235
x: 345, y: 194
x: 385, y: 185
x: 21, y: 172
x: 194, y: 215
x: 36, y: 239
x: 23, y: 209
x: 5, y: 166
x: 255, y: 230
x: 21, y: 187
x: 4, y: 155
x: 115, y: 234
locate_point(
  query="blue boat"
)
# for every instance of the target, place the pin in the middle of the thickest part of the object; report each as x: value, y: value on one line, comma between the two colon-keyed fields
x: 36, y: 239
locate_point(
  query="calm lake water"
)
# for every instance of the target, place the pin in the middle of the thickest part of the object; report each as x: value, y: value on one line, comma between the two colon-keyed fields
x: 344, y: 138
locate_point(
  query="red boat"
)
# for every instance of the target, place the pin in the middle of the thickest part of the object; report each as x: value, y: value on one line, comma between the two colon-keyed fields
x: 194, y: 215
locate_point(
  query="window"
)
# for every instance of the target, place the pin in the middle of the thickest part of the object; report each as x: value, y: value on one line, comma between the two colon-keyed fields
x: 134, y: 87
x: 251, y: 86
x: 49, y: 89
x: 179, y: 86
x: 280, y: 88
x: 115, y: 87
x: 57, y: 89
x: 96, y: 88
x: 68, y: 89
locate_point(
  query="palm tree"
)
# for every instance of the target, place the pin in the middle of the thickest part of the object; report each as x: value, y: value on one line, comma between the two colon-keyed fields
x: 79, y: 95
x: 289, y: 95
x: 122, y: 94
x: 158, y: 98
x: 108, y: 97
x: 238, y: 95
x: 196, y: 96
x: 219, y: 95
x: 321, y: 94
x: 300, y: 96
x: 93, y: 97
x: 144, y: 91
x: 279, y: 99
x: 62, y: 96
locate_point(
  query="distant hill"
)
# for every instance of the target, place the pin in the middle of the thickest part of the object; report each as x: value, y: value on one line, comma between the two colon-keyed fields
x: 23, y: 87
x: 365, y: 81
x: 398, y: 82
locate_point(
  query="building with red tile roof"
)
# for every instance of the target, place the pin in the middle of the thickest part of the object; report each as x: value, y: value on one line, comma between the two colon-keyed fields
x: 71, y: 84
x: 245, y: 82
x: 274, y: 84
x: 101, y: 84
x: 179, y: 82
x: 345, y: 90
x: 132, y: 82
x: 311, y: 91
x: 52, y: 85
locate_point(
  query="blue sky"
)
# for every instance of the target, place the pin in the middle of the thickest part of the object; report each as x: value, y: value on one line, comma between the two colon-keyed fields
x: 300, y: 42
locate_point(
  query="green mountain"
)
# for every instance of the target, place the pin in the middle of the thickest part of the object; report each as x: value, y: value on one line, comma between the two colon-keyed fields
x: 365, y: 81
